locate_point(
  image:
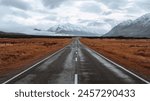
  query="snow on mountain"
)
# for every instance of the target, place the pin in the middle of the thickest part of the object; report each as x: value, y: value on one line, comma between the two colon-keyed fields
x: 143, y: 20
x: 137, y: 28
x: 126, y: 23
x: 74, y: 30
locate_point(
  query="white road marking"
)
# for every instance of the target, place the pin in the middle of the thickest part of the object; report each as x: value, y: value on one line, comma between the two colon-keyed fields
x: 76, y: 79
x: 33, y: 66
x: 125, y: 69
x: 118, y: 65
x: 76, y: 52
x: 76, y: 59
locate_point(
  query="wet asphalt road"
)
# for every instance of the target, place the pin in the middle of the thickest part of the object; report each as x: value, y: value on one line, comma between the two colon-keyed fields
x: 76, y: 64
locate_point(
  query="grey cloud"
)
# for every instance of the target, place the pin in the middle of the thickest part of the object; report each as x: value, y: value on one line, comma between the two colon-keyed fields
x: 138, y: 7
x: 93, y: 23
x: 90, y: 7
x: 4, y: 11
x: 108, y: 20
x: 41, y: 11
x: 133, y: 9
x: 111, y: 22
x: 107, y: 13
x: 100, y: 24
x: 114, y: 4
x: 11, y: 26
x: 51, y: 17
x: 86, y: 22
x: 53, y: 3
x: 144, y: 4
x: 96, y: 23
x: 82, y: 21
x: 20, y: 14
x: 16, y: 3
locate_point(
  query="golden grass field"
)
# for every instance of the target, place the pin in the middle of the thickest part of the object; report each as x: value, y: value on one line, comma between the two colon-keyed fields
x: 133, y: 54
x: 19, y: 53
x: 16, y: 54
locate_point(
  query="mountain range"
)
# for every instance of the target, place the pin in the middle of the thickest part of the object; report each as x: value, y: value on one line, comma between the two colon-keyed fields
x: 139, y: 27
x: 74, y: 30
x: 132, y: 28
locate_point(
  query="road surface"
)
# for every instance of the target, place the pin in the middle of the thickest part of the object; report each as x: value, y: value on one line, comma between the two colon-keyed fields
x: 76, y: 64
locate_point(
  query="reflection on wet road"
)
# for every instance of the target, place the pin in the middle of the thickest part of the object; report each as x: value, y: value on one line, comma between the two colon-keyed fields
x: 76, y: 64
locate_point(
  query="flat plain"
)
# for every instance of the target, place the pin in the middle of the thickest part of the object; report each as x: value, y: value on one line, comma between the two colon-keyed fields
x: 17, y: 54
x: 133, y: 54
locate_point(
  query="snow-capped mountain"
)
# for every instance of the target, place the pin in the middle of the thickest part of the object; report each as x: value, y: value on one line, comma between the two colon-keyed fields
x: 74, y: 30
x: 136, y: 28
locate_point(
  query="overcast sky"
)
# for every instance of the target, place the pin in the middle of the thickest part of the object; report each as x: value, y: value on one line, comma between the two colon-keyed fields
x: 104, y: 14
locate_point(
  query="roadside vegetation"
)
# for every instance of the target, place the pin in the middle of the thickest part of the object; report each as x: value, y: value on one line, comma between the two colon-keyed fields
x: 19, y: 53
x: 133, y: 54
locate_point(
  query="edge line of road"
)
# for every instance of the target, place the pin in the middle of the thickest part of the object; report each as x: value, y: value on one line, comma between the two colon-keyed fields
x: 17, y: 75
x: 118, y: 65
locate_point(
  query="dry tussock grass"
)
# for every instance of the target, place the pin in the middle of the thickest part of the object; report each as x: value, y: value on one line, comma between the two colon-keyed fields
x: 133, y: 54
x: 18, y: 53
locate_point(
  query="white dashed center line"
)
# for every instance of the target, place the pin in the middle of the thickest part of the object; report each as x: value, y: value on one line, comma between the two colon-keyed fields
x: 76, y: 79
x: 76, y: 59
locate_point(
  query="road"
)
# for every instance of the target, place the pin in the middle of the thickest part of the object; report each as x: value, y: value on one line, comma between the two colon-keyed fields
x: 76, y: 64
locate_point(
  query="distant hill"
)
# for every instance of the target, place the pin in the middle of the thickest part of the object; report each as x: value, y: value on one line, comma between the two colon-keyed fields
x: 136, y: 28
x: 9, y: 34
x: 73, y: 30
x: 21, y: 35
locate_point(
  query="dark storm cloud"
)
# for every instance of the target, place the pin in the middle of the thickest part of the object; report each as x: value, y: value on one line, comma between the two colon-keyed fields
x: 53, y: 3
x: 16, y: 3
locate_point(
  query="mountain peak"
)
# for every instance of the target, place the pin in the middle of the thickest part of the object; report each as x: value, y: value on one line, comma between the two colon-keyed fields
x: 146, y: 16
x: 72, y: 29
x: 143, y: 19
x: 136, y: 28
x: 126, y: 23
